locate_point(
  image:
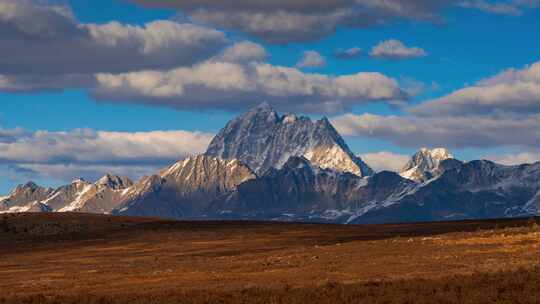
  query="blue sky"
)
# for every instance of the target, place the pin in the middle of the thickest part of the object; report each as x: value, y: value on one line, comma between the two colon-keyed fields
x: 463, y: 46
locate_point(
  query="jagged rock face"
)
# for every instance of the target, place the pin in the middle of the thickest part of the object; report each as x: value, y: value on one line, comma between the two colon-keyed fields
x: 302, y: 191
x: 473, y: 190
x: 263, y: 140
x: 21, y: 199
x: 102, y: 196
x: 114, y: 182
x: 79, y: 196
x: 425, y: 164
x: 82, y: 196
x: 185, y: 189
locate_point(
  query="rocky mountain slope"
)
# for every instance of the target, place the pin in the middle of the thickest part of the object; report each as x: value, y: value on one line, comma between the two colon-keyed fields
x: 473, y: 190
x: 25, y: 198
x: 262, y: 139
x: 185, y: 189
x: 79, y: 196
x: 425, y: 164
x: 301, y: 191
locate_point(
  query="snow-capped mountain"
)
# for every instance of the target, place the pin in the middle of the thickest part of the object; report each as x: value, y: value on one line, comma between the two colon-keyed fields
x: 262, y: 139
x: 25, y: 198
x: 471, y: 190
x: 184, y: 189
x: 425, y: 164
x: 78, y: 196
x: 269, y: 167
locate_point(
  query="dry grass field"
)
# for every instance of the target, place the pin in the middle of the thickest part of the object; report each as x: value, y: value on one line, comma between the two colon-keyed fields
x: 77, y: 258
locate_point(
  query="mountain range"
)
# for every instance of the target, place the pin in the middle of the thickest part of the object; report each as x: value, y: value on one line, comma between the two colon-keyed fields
x: 265, y: 166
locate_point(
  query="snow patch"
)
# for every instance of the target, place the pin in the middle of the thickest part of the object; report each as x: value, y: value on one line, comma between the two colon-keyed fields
x: 78, y: 202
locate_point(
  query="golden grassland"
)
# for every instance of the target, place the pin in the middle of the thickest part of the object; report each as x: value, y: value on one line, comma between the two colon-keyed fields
x: 78, y: 258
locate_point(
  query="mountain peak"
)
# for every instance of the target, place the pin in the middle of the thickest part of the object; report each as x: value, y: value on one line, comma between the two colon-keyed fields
x: 325, y: 121
x: 30, y: 185
x: 436, y: 153
x: 263, y: 106
x: 114, y: 181
x: 262, y: 139
x: 425, y: 164
x: 79, y: 180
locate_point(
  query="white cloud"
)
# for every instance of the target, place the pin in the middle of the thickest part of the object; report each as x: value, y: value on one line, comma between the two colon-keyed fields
x: 302, y: 20
x: 90, y: 154
x: 48, y: 40
x: 229, y: 85
x: 385, y: 160
x: 512, y: 91
x: 244, y: 51
x: 84, y: 146
x: 503, y: 110
x: 447, y: 131
x: 515, y: 159
x: 311, y: 59
x: 275, y: 27
x: 395, y: 49
x: 24, y: 83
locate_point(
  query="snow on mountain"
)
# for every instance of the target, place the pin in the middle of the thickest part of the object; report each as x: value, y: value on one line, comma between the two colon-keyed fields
x: 185, y: 188
x: 79, y: 196
x: 22, y: 198
x: 270, y: 167
x: 473, y: 190
x: 301, y: 191
x: 424, y: 164
x: 262, y: 139
x: 533, y: 205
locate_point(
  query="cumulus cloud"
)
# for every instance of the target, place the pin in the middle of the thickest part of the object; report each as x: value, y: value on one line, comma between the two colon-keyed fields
x: 516, y: 158
x: 351, y: 53
x: 243, y: 52
x: 25, y: 83
x: 226, y: 85
x: 47, y: 40
x: 385, y: 160
x: 100, y: 147
x: 446, y: 131
x: 82, y: 152
x: 234, y: 78
x: 301, y: 20
x: 395, y: 49
x: 503, y: 110
x: 512, y: 91
x: 311, y: 59
x: 11, y: 135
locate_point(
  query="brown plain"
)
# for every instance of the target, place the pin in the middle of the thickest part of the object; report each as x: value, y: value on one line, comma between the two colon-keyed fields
x: 79, y: 258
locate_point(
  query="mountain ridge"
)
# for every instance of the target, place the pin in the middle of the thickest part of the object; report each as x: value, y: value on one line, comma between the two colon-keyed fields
x: 290, y: 168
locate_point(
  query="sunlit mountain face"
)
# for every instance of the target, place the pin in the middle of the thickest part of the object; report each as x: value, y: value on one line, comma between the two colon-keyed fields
x: 266, y: 166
